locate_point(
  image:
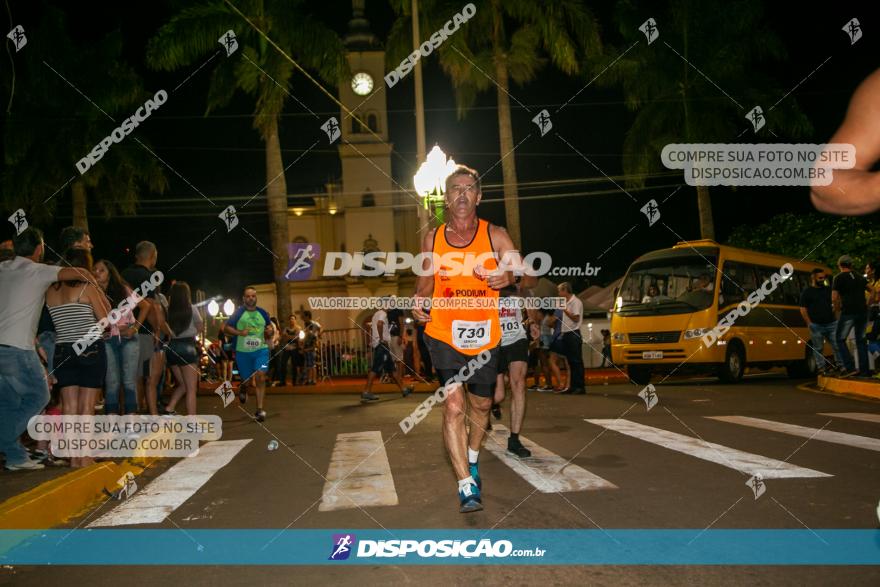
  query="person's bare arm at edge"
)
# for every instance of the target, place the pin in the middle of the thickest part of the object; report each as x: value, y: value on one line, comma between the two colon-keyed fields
x: 856, y: 191
x: 76, y: 274
x: 425, y: 282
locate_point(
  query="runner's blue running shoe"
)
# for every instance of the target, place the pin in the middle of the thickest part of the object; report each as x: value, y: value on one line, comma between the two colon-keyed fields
x: 475, y: 473
x: 470, y: 499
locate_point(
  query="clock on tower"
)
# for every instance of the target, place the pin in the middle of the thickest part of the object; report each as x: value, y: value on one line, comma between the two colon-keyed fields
x: 362, y: 83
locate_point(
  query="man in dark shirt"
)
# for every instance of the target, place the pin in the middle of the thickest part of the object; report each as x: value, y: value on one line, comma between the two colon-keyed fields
x: 848, y: 296
x: 145, y: 257
x: 818, y: 313
x: 289, y: 342
x: 310, y: 346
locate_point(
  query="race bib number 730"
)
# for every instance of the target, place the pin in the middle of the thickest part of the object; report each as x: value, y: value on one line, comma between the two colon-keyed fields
x: 469, y: 335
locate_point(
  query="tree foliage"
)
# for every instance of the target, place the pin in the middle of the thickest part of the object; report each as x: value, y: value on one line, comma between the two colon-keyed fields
x: 50, y: 125
x: 259, y: 71
x: 532, y: 34
x: 697, y: 80
x: 813, y: 237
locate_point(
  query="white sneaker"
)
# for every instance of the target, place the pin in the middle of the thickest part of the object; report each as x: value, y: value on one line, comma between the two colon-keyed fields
x: 28, y: 465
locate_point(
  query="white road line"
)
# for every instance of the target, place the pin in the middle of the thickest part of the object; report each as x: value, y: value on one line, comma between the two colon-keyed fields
x: 875, y: 418
x: 155, y: 502
x: 545, y: 471
x: 732, y: 458
x: 804, y: 432
x: 359, y: 474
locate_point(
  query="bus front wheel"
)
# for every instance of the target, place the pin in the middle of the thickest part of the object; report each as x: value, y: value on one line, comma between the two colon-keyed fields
x: 805, y: 368
x: 734, y: 364
x: 640, y: 374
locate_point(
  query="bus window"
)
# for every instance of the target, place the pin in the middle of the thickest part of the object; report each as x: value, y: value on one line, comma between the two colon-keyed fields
x: 731, y: 288
x: 804, y: 281
x: 741, y: 282
x: 673, y: 285
x: 764, y: 274
x: 791, y: 293
x: 749, y: 281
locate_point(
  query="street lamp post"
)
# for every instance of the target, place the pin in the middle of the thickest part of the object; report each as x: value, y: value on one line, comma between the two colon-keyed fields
x: 430, y: 181
x: 213, y: 308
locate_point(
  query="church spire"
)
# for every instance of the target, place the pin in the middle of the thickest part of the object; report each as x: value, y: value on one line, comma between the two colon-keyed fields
x: 359, y: 36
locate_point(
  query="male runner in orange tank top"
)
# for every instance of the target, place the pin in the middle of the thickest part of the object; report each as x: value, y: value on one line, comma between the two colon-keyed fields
x: 457, y: 336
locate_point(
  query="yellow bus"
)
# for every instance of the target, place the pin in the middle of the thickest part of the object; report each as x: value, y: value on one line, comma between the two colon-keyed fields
x: 670, y: 302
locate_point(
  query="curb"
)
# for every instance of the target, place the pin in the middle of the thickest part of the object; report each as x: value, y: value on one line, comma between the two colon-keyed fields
x: 59, y: 500
x: 55, y: 502
x: 849, y: 387
x: 606, y: 378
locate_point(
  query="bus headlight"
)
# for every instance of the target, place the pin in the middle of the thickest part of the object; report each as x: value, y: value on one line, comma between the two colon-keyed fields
x: 695, y: 333
x: 618, y: 337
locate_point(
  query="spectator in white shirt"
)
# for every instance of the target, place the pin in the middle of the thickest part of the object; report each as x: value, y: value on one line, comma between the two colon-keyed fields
x: 383, y: 361
x: 24, y: 391
x: 572, y: 316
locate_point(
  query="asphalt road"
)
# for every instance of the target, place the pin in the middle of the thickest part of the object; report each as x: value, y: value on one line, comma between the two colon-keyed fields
x: 655, y: 486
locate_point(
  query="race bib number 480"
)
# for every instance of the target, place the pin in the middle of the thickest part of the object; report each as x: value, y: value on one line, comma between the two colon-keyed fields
x: 252, y: 342
x: 468, y: 335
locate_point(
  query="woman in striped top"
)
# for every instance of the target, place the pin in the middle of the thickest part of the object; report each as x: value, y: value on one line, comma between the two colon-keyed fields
x: 75, y: 307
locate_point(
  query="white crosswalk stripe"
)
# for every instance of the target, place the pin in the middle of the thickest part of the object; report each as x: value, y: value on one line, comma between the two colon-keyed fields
x: 156, y: 501
x: 804, y: 431
x: 732, y: 458
x: 359, y: 474
x: 544, y: 470
x: 875, y: 418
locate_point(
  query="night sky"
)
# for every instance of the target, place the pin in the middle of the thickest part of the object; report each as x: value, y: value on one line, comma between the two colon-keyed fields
x: 224, y: 158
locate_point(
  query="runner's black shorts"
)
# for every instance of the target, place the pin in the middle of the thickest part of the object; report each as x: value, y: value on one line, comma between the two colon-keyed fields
x: 518, y: 350
x: 449, y: 362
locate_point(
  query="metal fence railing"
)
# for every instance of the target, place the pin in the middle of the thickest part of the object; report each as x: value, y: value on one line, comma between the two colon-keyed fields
x: 344, y: 352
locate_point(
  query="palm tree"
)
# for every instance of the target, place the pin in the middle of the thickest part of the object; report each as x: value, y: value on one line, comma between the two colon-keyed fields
x: 259, y: 71
x: 731, y: 45
x: 505, y: 41
x: 50, y: 126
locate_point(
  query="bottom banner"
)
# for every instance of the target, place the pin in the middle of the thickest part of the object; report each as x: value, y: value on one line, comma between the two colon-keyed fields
x: 439, y: 547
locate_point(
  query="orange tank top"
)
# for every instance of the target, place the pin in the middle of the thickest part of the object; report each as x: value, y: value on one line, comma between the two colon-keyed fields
x: 469, y: 331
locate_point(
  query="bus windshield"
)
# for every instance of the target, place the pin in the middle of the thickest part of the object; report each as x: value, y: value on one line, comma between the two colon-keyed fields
x: 676, y: 285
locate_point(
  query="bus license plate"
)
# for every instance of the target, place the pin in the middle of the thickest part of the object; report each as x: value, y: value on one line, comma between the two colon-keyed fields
x: 652, y: 355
